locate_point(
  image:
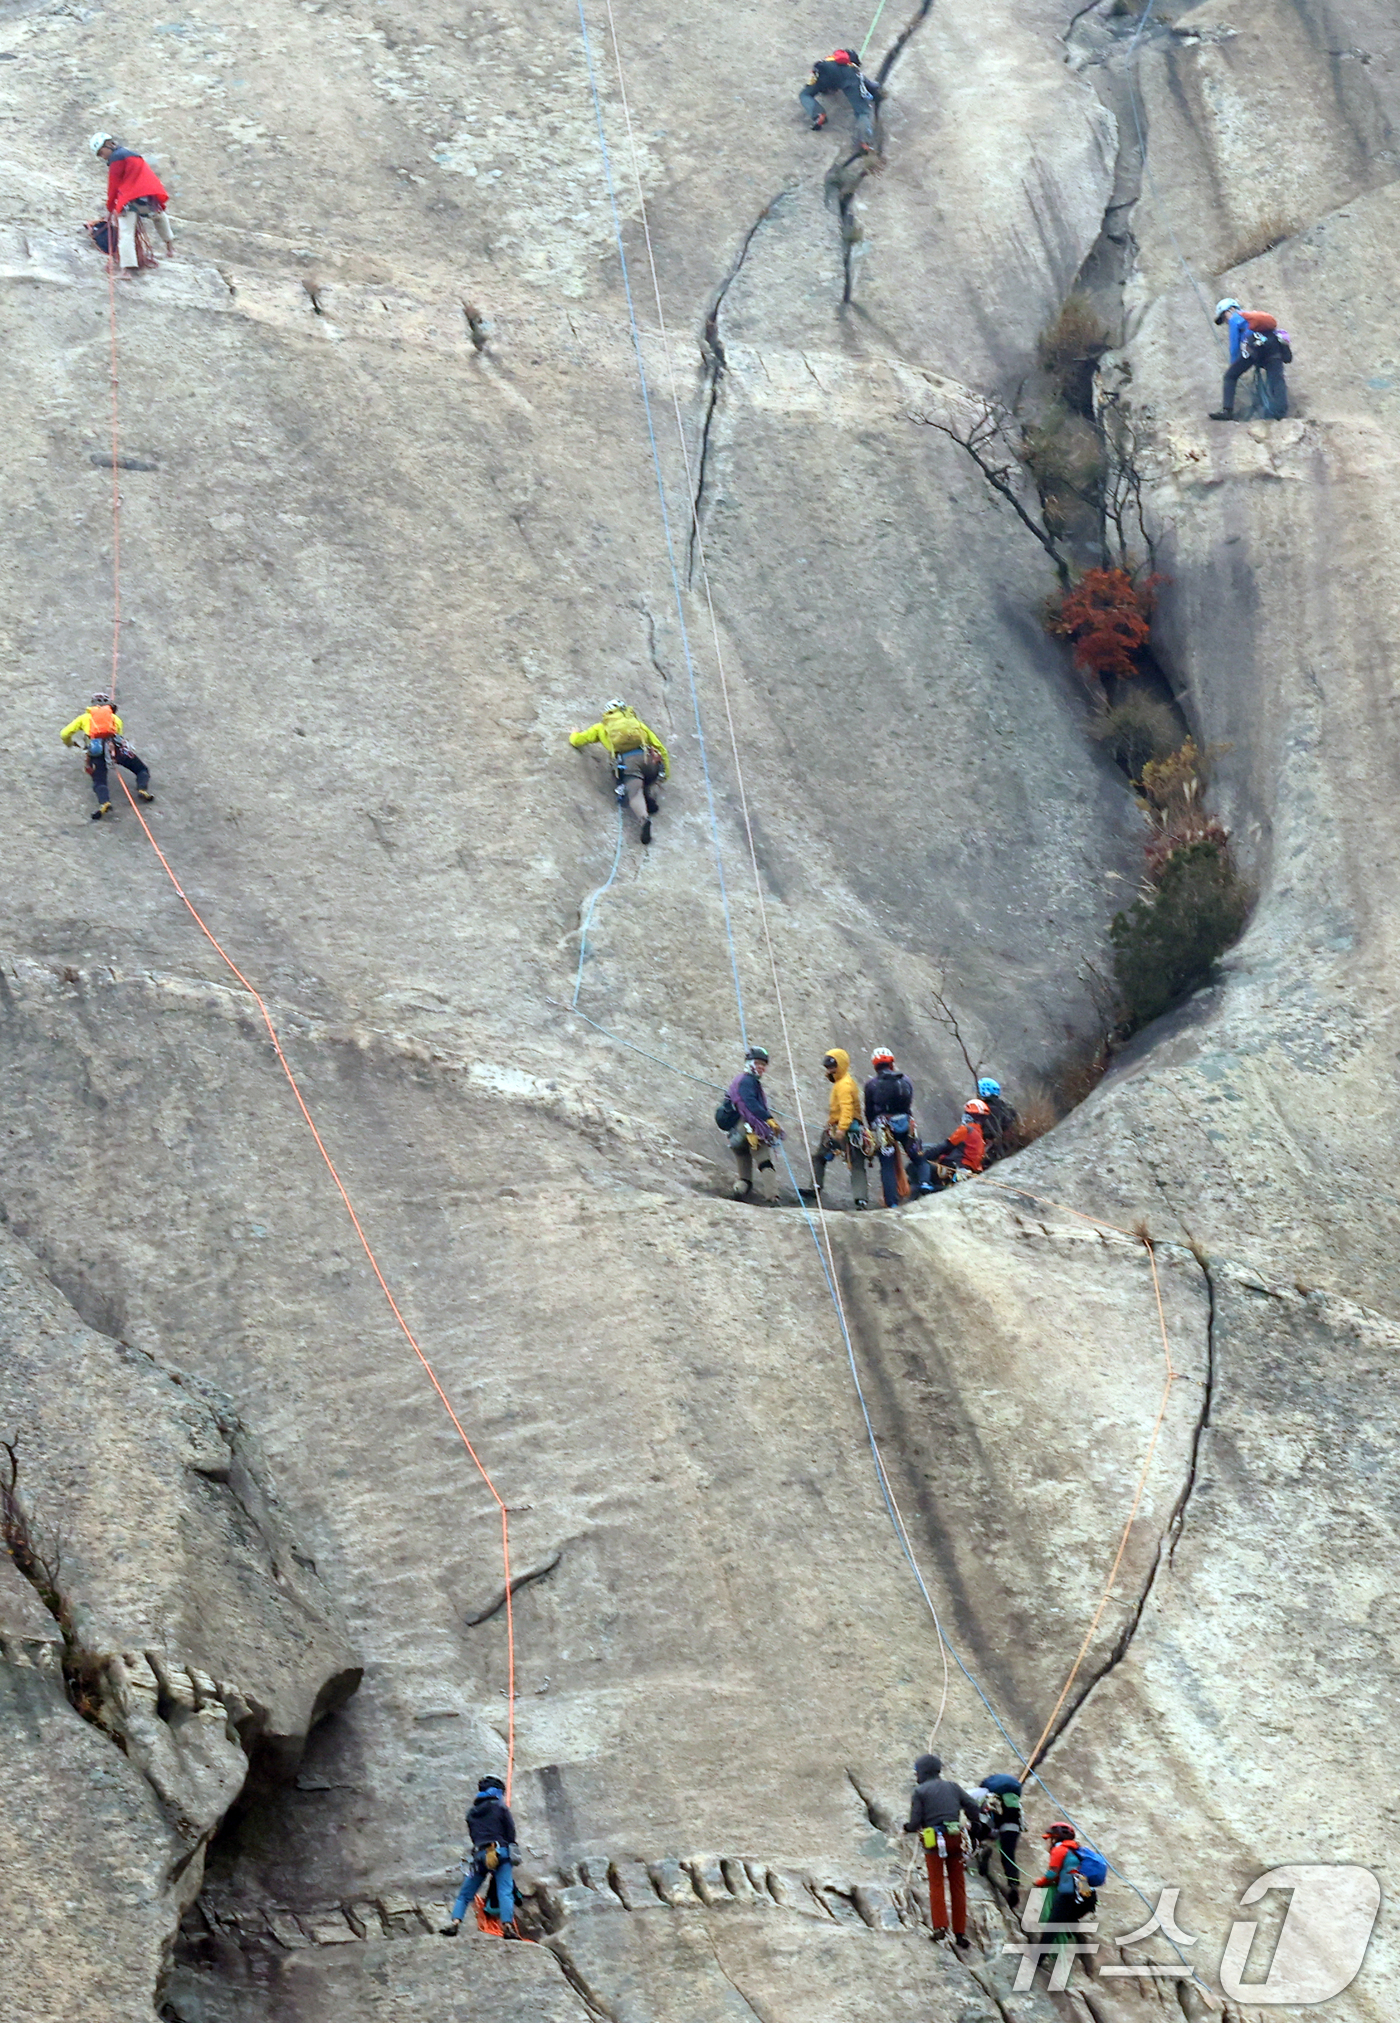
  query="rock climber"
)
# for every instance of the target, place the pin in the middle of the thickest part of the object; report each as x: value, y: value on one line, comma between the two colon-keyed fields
x: 134, y: 190
x: 845, y: 1137
x: 1255, y: 340
x: 755, y: 1128
x: 491, y: 1826
x: 889, y: 1101
x: 963, y: 1151
x: 999, y: 1797
x: 640, y: 761
x: 1000, y: 1122
x: 841, y: 72
x: 100, y: 728
x: 933, y: 1814
x: 1063, y: 1903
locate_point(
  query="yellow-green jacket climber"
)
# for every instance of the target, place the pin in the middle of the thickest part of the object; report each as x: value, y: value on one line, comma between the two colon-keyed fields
x: 621, y: 731
x: 640, y: 760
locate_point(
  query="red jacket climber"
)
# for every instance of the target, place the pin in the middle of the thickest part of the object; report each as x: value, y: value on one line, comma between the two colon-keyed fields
x: 133, y: 190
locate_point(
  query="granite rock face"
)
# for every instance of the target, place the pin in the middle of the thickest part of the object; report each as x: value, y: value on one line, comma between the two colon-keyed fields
x: 372, y: 574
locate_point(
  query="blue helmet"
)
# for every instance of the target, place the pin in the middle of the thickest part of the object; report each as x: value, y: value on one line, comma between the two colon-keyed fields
x: 987, y: 1087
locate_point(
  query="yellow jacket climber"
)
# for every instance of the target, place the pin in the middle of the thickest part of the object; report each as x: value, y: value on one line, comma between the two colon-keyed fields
x: 640, y: 761
x: 81, y: 726
x: 845, y: 1107
x: 622, y: 730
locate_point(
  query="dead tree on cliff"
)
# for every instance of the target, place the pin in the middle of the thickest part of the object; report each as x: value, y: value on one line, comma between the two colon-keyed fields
x: 985, y: 438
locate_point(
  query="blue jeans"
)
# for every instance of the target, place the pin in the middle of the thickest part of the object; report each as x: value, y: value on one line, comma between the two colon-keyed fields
x: 476, y: 1879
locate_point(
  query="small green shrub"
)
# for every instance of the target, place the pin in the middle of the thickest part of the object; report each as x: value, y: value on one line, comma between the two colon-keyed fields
x: 1166, y: 946
x: 1137, y: 730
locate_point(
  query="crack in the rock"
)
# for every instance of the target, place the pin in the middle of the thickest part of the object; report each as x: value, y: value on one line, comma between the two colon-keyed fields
x: 902, y: 40
x: 747, y: 2002
x: 1176, y: 1523
x: 1167, y: 1540
x: 573, y: 1975
x: 713, y: 364
x: 520, y: 1580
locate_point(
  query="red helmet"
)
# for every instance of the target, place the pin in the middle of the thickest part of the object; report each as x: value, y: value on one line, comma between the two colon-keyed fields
x: 977, y: 1108
x: 882, y: 1058
x: 1058, y: 1832
x: 839, y: 56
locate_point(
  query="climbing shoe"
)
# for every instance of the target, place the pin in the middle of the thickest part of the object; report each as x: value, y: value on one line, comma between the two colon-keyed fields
x: 742, y: 1189
x: 653, y: 806
x: 450, y: 1929
x: 144, y: 794
x: 1222, y: 414
x: 962, y: 1942
x: 509, y: 1932
x: 105, y: 809
x: 860, y: 1204
x: 1014, y: 1899
x: 938, y: 1934
x: 819, y: 122
x: 646, y: 830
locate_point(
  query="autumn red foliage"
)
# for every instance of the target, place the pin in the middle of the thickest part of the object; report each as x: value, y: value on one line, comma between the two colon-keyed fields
x: 1107, y: 617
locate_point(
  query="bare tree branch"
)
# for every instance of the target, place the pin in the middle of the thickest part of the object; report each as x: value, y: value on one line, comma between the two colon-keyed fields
x: 985, y: 440
x: 944, y: 1013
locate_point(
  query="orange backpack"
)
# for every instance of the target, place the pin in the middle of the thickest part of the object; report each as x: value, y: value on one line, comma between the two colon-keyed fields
x: 102, y: 722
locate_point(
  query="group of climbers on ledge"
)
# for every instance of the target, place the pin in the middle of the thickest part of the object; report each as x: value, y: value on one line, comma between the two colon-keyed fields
x: 865, y: 1125
x: 952, y: 1825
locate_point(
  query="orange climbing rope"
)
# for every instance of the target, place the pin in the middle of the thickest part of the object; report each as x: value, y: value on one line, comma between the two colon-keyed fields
x: 285, y: 1065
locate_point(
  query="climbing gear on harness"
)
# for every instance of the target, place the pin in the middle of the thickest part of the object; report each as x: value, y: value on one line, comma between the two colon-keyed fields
x: 1223, y: 308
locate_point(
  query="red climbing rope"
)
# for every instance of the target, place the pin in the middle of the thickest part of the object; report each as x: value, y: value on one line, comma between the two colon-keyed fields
x: 295, y: 1087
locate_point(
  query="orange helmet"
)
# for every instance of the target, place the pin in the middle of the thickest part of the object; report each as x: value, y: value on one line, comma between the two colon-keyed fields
x: 977, y: 1108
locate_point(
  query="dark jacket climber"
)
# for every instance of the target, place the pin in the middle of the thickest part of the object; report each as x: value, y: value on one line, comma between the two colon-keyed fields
x: 99, y: 727
x: 889, y: 1104
x: 491, y: 1827
x: 1255, y: 340
x: 933, y: 1814
x: 841, y: 72
x: 757, y: 1128
x: 1000, y: 1797
x: 1002, y: 1120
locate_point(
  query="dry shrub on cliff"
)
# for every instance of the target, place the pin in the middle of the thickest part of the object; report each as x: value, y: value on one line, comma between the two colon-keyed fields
x: 1166, y: 945
x: 1107, y: 617
x: 1071, y: 347
x: 1270, y: 231
x: 1035, y: 1115
x: 1136, y: 730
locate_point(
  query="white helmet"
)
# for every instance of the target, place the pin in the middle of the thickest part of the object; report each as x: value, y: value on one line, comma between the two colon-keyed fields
x: 1222, y: 309
x: 99, y: 141
x: 614, y: 704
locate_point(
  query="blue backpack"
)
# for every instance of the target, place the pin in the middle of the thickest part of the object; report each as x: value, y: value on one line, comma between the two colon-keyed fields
x: 1093, y: 1867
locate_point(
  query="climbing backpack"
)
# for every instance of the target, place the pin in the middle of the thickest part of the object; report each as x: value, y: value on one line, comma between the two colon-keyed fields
x: 102, y: 722
x: 726, y: 1112
x: 1092, y: 1867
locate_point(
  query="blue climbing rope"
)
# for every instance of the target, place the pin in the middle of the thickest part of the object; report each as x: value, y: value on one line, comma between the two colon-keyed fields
x: 665, y: 516
x: 588, y: 912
